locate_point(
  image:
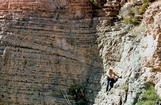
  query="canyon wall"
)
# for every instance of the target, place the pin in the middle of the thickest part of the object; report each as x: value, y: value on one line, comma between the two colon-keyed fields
x: 151, y: 55
x: 134, y: 53
x: 48, y: 46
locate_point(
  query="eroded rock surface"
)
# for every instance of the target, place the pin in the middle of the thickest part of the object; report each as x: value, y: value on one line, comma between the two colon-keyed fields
x: 47, y: 46
x: 134, y: 52
x: 152, y: 44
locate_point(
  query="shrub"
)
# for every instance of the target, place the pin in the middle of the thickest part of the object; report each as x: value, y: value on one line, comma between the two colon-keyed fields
x: 125, y: 87
x: 142, y: 8
x: 148, y: 97
x: 94, y: 2
x: 129, y: 16
x: 81, y: 102
x: 131, y: 20
x: 148, y: 102
x: 78, y: 93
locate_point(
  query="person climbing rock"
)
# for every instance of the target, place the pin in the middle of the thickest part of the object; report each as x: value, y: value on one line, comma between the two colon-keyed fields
x: 111, y: 78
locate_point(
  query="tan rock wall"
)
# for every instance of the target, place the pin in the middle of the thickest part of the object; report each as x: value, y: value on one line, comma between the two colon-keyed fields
x: 47, y: 47
x: 152, y: 42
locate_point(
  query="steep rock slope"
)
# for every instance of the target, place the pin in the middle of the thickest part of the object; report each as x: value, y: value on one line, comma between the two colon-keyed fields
x: 151, y: 55
x: 47, y: 46
x: 134, y: 53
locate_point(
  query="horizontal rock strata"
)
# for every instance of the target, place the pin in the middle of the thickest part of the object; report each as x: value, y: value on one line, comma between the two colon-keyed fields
x: 47, y: 47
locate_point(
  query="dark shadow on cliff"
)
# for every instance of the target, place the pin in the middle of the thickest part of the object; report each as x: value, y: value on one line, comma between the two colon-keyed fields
x: 92, y: 84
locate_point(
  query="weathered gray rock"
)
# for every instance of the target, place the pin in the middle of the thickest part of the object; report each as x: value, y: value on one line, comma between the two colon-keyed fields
x: 47, y: 46
x: 134, y: 54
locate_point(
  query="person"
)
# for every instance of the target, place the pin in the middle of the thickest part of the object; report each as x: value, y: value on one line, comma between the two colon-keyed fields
x: 111, y: 78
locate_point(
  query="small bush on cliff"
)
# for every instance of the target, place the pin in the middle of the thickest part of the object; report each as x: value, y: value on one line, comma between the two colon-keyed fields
x: 131, y: 20
x: 148, y: 97
x: 78, y: 93
x: 125, y: 87
x: 141, y: 9
x: 81, y: 102
x: 94, y: 2
x: 134, y: 14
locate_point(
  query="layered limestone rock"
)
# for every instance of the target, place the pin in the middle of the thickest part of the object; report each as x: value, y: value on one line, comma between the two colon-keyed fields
x: 46, y: 47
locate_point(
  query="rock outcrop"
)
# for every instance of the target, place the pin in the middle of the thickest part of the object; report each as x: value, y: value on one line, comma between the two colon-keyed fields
x: 134, y: 52
x: 151, y: 54
x: 48, y: 46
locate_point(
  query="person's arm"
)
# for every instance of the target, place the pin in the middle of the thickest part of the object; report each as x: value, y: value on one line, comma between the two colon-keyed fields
x: 115, y: 74
x: 107, y: 74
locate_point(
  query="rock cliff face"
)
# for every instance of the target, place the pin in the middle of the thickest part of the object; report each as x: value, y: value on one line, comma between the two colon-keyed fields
x: 47, y: 46
x: 152, y: 44
x: 134, y: 52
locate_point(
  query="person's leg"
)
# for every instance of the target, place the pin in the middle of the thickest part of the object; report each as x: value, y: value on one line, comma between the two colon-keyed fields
x: 115, y: 80
x: 107, y: 84
x: 112, y: 81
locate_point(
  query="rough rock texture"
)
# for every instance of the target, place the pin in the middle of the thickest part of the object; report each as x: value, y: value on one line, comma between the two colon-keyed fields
x: 47, y: 46
x: 134, y: 53
x: 120, y: 48
x: 152, y: 46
